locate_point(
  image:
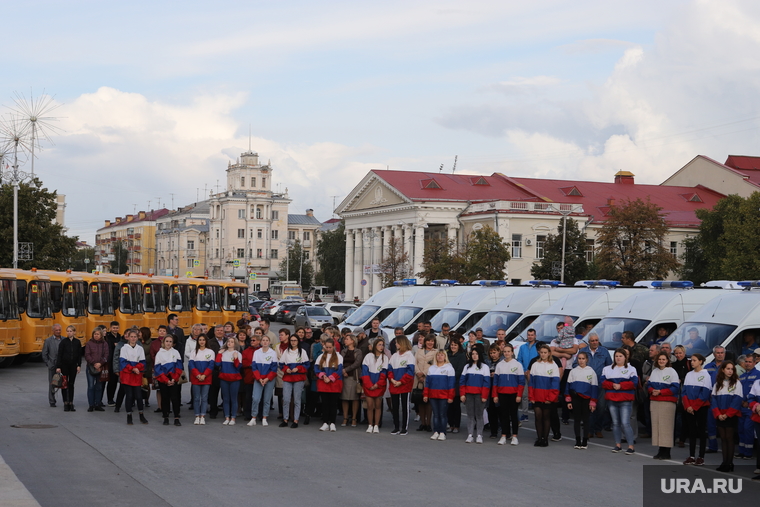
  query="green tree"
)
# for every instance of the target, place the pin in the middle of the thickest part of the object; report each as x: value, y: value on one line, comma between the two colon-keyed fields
x: 631, y: 243
x: 296, y: 267
x: 438, y: 259
x: 742, y: 240
x: 693, y: 262
x: 36, y: 214
x: 395, y: 264
x: 575, y: 254
x: 486, y: 256
x: 77, y: 261
x: 711, y: 244
x: 331, y: 256
x: 120, y: 256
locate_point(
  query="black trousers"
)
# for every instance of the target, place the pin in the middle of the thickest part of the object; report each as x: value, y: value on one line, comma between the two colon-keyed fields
x: 170, y: 394
x: 697, y: 427
x: 213, y: 396
x: 247, y: 390
x: 329, y: 407
x: 581, y: 415
x: 493, y: 417
x: 113, y: 384
x: 71, y: 374
x: 508, y: 414
x: 133, y: 394
x: 455, y: 411
x: 400, y: 410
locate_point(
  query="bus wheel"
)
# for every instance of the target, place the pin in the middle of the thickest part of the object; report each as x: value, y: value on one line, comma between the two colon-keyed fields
x: 20, y: 359
x: 5, y: 362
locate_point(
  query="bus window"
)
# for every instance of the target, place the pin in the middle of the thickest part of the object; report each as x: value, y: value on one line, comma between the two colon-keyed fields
x: 179, y: 298
x: 21, y: 295
x: 99, y: 299
x: 235, y: 299
x: 38, y: 304
x: 56, y: 295
x: 130, y: 298
x: 8, y: 304
x: 153, y: 298
x: 74, y: 299
x: 208, y: 298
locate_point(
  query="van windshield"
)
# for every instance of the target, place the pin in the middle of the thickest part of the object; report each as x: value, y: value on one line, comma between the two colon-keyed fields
x: 610, y: 330
x: 448, y: 316
x: 546, y: 327
x: 700, y: 337
x: 493, y: 321
x: 360, y: 316
x: 401, y: 316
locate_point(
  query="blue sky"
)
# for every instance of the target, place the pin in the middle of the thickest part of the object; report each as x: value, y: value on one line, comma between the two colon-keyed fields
x: 157, y: 97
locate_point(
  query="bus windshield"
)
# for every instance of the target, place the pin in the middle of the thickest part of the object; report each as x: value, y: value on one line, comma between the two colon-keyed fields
x: 208, y: 298
x: 39, y: 305
x: 73, y: 303
x: 8, y: 301
x: 235, y: 299
x: 153, y: 298
x: 130, y: 301
x: 100, y: 300
x: 179, y: 298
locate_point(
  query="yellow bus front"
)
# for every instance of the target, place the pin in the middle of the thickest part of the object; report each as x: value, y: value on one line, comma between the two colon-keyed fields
x: 36, y: 309
x: 100, y: 307
x: 208, y: 302
x: 68, y: 292
x: 10, y: 321
x: 128, y: 301
x: 235, y: 302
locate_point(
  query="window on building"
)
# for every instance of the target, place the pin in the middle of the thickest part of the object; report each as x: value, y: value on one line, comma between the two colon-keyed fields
x: 250, y: 253
x: 540, y: 241
x: 275, y: 215
x: 258, y: 212
x: 274, y: 253
x: 260, y: 233
x: 589, y: 250
x: 242, y: 182
x: 259, y: 253
x: 241, y: 233
x: 217, y: 234
x: 674, y: 249
x: 240, y: 253
x: 189, y: 263
x: 264, y: 182
x: 191, y: 244
x: 517, y: 246
x: 306, y: 235
x: 306, y: 255
x: 275, y: 234
x: 253, y: 182
x: 217, y: 253
x: 241, y: 214
x: 292, y: 235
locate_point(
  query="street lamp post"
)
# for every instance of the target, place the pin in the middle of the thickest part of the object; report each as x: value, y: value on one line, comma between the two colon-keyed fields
x: 564, y: 210
x: 15, y: 138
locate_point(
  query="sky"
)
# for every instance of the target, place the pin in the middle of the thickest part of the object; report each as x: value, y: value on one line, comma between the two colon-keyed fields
x: 155, y: 98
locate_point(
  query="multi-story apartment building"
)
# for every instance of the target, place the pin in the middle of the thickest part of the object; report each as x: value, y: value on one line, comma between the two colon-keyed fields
x: 304, y: 229
x: 182, y: 241
x: 137, y: 236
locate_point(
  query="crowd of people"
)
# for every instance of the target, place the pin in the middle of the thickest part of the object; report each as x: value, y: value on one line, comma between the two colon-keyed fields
x: 358, y: 372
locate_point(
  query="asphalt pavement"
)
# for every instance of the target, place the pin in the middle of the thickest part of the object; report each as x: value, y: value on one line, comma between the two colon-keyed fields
x: 97, y: 459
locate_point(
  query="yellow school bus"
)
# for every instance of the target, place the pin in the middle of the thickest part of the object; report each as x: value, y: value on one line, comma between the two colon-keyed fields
x: 36, y: 309
x: 68, y: 292
x: 235, y: 301
x: 180, y: 301
x: 207, y: 297
x: 10, y: 320
x: 128, y: 304
x: 100, y: 307
x: 154, y: 292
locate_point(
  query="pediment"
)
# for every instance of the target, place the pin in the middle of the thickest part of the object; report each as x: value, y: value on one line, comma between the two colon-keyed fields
x: 375, y: 194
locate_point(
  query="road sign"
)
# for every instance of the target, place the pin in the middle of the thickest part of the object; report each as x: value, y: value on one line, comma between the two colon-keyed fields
x: 196, y: 263
x: 236, y: 263
x: 189, y: 274
x: 364, y: 282
x: 252, y: 276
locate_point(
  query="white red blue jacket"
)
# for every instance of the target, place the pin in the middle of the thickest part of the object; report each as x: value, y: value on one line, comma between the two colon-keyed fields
x: 374, y: 371
x: 201, y: 363
x: 697, y: 389
x: 753, y: 398
x: 265, y: 364
x: 439, y: 382
x: 583, y: 382
x: 727, y: 400
x: 294, y: 360
x: 335, y: 374
x: 667, y: 381
x: 401, y: 369
x: 543, y: 384
x: 625, y: 376
x: 129, y: 359
x: 748, y: 379
x: 508, y: 378
x: 229, y: 363
x: 167, y: 365
x: 476, y: 381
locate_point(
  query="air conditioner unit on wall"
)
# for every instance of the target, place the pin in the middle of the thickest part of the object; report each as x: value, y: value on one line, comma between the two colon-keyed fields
x: 528, y: 242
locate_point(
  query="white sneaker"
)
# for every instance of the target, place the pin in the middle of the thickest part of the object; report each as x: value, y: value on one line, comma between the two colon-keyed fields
x: 324, y: 427
x: 232, y: 422
x: 442, y: 436
x: 514, y: 441
x: 479, y: 440
x: 264, y: 422
x: 197, y: 420
x: 435, y: 436
x: 502, y: 440
x: 252, y: 422
x: 469, y: 439
x: 226, y: 422
x: 203, y: 421
x: 332, y: 427
x: 376, y: 429
x: 417, y: 418
x: 369, y: 429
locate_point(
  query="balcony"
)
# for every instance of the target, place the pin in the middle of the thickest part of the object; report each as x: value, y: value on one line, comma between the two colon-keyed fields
x: 138, y: 236
x: 191, y: 254
x: 307, y: 243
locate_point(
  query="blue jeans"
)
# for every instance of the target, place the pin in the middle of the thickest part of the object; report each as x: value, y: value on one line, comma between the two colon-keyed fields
x: 258, y: 392
x: 229, y: 397
x: 440, y: 414
x: 621, y: 416
x: 94, y: 387
x: 292, y: 390
x: 200, y: 399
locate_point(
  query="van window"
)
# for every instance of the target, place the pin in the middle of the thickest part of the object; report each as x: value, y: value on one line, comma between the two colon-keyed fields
x: 700, y: 337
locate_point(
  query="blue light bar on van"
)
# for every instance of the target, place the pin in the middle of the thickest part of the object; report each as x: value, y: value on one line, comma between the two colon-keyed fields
x: 405, y: 281
x: 444, y: 282
x: 681, y: 284
x: 493, y: 283
x: 602, y: 283
x: 550, y: 283
x: 749, y: 283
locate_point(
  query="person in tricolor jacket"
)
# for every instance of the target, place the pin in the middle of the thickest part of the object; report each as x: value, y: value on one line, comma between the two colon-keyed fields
x: 201, y: 365
x: 229, y: 362
x: 474, y: 387
x: 294, y: 363
x: 664, y: 387
x: 131, y: 367
x: 439, y: 391
x: 543, y: 391
x: 264, y: 369
x: 167, y: 369
x: 620, y: 380
x: 726, y: 403
x: 753, y: 398
x: 328, y: 368
x: 401, y: 379
x: 374, y: 381
x: 697, y: 388
x: 581, y: 393
x: 507, y: 391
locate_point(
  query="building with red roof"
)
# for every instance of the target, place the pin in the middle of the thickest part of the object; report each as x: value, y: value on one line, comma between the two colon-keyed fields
x: 136, y: 234
x: 738, y: 175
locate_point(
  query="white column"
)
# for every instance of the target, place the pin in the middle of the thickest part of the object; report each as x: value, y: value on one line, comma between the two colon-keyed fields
x: 377, y: 257
x: 348, y: 290
x: 408, y: 246
x: 419, y: 248
x: 452, y: 233
x: 358, y: 262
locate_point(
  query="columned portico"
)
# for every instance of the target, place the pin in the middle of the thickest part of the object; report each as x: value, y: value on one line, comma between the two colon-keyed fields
x: 358, y: 262
x: 349, y: 295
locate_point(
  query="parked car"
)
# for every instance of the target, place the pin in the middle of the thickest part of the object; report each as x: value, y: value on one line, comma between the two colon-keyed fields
x: 265, y: 310
x: 312, y: 316
x: 287, y: 311
x: 255, y: 306
x: 263, y: 294
x: 337, y: 310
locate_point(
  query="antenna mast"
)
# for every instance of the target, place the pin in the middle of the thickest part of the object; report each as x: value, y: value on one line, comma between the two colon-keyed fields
x: 455, y: 164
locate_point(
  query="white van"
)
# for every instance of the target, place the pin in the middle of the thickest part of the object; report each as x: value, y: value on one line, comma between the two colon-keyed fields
x: 668, y: 304
x: 726, y: 321
x: 467, y: 309
x: 381, y: 305
x: 586, y: 307
x: 421, y: 307
x: 520, y: 308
